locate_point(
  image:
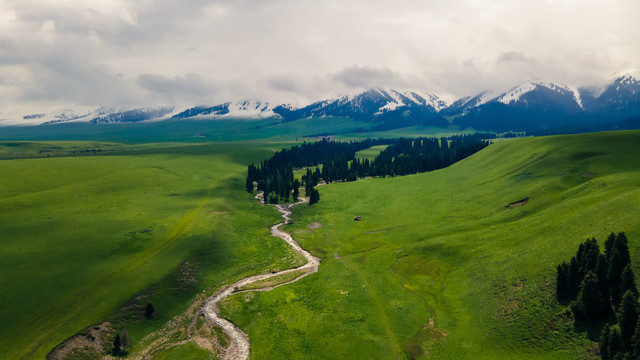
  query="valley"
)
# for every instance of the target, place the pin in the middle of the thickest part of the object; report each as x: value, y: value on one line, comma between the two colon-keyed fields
x: 441, y: 264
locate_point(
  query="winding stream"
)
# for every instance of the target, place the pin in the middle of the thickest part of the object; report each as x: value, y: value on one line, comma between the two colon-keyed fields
x: 239, y: 346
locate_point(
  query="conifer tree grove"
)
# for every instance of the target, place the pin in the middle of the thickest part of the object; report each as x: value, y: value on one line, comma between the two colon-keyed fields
x: 274, y: 176
x: 606, y: 285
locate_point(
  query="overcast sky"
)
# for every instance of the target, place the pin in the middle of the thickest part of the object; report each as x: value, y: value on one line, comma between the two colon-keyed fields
x: 147, y: 52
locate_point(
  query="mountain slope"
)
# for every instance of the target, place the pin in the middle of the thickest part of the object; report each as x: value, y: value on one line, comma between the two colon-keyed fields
x: 533, y: 105
x: 238, y: 109
x: 440, y: 267
x: 540, y: 104
x: 391, y: 108
x: 620, y: 98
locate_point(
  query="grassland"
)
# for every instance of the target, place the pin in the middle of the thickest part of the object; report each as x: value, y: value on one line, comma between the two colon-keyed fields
x: 370, y: 153
x: 441, y: 268
x: 93, y: 238
x: 201, y: 130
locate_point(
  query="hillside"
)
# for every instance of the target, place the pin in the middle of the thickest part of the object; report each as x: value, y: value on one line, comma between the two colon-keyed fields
x: 87, y: 239
x: 441, y: 266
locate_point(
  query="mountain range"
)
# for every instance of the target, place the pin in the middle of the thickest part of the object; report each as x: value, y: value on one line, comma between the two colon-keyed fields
x: 535, y: 104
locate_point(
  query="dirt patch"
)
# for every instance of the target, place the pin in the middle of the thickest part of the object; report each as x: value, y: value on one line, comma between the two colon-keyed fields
x: 421, y: 343
x: 518, y: 203
x: 187, y: 273
x: 588, y: 174
x: 315, y: 225
x: 89, y: 342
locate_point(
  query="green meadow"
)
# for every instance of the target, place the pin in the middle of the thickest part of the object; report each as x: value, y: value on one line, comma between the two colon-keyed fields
x: 93, y: 238
x: 441, y: 267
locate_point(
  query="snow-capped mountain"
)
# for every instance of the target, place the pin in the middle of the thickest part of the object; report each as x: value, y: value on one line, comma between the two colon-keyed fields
x: 532, y: 104
x: 375, y: 104
x: 469, y: 102
x: 523, y: 92
x: 239, y: 109
x: 621, y: 97
x: 134, y: 115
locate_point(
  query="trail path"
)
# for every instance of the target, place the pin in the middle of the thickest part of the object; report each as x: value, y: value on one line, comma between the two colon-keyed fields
x: 239, y: 346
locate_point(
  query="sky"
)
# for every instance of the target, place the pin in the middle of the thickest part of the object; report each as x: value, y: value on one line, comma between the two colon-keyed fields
x: 121, y: 53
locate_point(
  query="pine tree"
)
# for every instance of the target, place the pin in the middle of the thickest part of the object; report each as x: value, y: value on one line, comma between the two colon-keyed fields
x: 614, y: 273
x: 148, y: 311
x: 314, y: 197
x: 635, y: 341
x: 623, y: 245
x: 604, y: 342
x: 573, y: 278
x: 601, y: 272
x: 616, y: 345
x: 588, y: 257
x: 116, y: 345
x: 589, y: 302
x: 628, y: 281
x: 562, y: 290
x: 628, y: 317
x: 296, y: 189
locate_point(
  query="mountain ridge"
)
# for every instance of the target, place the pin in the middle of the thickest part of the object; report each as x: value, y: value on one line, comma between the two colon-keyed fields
x: 535, y: 103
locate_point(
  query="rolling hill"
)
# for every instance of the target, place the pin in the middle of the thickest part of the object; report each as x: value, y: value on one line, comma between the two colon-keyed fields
x: 458, y: 263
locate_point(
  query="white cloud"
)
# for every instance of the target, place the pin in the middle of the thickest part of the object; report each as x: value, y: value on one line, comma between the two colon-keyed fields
x: 119, y: 52
x: 47, y: 31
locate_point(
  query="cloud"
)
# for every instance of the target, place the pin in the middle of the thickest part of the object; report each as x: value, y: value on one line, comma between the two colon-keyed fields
x: 512, y: 57
x: 190, y: 84
x: 121, y: 52
x: 365, y: 77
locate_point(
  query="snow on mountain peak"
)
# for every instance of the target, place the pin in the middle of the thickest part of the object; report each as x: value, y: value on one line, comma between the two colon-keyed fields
x: 249, y: 108
x: 516, y: 93
x: 628, y: 78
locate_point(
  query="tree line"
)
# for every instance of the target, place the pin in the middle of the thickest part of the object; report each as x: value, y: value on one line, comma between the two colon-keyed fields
x: 402, y: 156
x: 601, y: 287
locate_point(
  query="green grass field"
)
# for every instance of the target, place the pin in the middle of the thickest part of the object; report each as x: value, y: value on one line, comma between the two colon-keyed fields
x: 182, y: 130
x: 83, y: 235
x: 440, y: 267
x: 370, y: 153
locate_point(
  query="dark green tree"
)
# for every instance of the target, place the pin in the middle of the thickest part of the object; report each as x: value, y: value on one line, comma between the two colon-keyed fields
x: 608, y: 244
x: 589, y: 303
x: 601, y: 272
x: 628, y: 281
x: 614, y: 272
x: 562, y: 289
x: 296, y: 189
x: 616, y: 344
x: 604, y: 342
x: 587, y: 256
x: 272, y: 198
x: 314, y: 197
x: 628, y: 317
x: 573, y: 278
x: 623, y: 245
x: 116, y: 346
x: 148, y: 311
x: 635, y: 341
